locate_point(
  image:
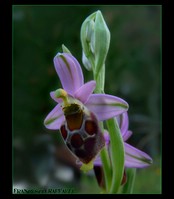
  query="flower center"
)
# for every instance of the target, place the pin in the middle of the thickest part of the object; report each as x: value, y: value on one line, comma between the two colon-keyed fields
x: 72, y: 109
x: 74, y: 116
x: 60, y: 93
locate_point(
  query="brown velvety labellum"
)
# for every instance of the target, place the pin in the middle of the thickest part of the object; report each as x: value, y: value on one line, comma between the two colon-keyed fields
x: 63, y: 131
x: 81, y: 153
x: 91, y: 147
x: 74, y: 121
x: 91, y: 127
x: 90, y: 144
x: 98, y: 170
x: 76, y: 140
x: 69, y: 146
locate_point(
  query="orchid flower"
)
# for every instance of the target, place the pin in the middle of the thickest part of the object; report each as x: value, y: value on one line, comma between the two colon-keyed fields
x: 78, y: 111
x: 134, y: 158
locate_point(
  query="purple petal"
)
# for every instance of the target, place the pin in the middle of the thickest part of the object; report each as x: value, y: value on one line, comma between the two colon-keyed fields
x: 106, y: 106
x: 69, y: 72
x: 135, y: 158
x: 126, y: 135
x: 106, y: 137
x: 85, y: 91
x: 97, y: 161
x: 55, y: 118
x: 52, y: 94
x: 123, y: 122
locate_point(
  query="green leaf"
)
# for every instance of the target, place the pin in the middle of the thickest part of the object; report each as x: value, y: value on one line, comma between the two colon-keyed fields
x: 117, y: 154
x: 128, y: 187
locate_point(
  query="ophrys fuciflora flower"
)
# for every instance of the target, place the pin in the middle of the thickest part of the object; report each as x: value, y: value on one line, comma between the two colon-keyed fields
x: 79, y: 111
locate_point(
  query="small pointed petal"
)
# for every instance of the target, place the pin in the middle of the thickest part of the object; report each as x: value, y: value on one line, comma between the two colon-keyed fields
x: 135, y: 158
x: 123, y: 122
x: 106, y: 106
x: 69, y: 72
x: 127, y: 135
x: 85, y: 91
x: 55, y: 118
x: 52, y: 94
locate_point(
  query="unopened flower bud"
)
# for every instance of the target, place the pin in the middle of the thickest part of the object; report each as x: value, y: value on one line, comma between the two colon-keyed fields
x: 95, y: 39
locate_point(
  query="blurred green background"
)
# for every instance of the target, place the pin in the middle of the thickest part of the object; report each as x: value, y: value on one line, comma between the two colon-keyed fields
x: 133, y: 72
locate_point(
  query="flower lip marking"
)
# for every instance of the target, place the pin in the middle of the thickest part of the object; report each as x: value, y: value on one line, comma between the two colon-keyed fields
x: 91, y: 127
x: 76, y: 140
x: 89, y: 144
x: 84, y: 145
x: 63, y: 132
x: 74, y: 116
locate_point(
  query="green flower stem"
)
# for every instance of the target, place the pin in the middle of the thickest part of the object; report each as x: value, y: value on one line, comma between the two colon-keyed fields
x: 106, y: 165
x: 100, y: 80
x: 117, y: 154
x: 113, y: 170
x: 104, y: 153
x: 113, y: 177
x: 128, y: 187
x: 106, y: 168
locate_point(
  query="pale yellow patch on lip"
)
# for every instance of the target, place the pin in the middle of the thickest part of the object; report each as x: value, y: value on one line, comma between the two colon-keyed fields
x: 87, y: 167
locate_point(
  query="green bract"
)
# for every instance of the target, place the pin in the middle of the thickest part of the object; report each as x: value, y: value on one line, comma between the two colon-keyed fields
x: 65, y: 49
